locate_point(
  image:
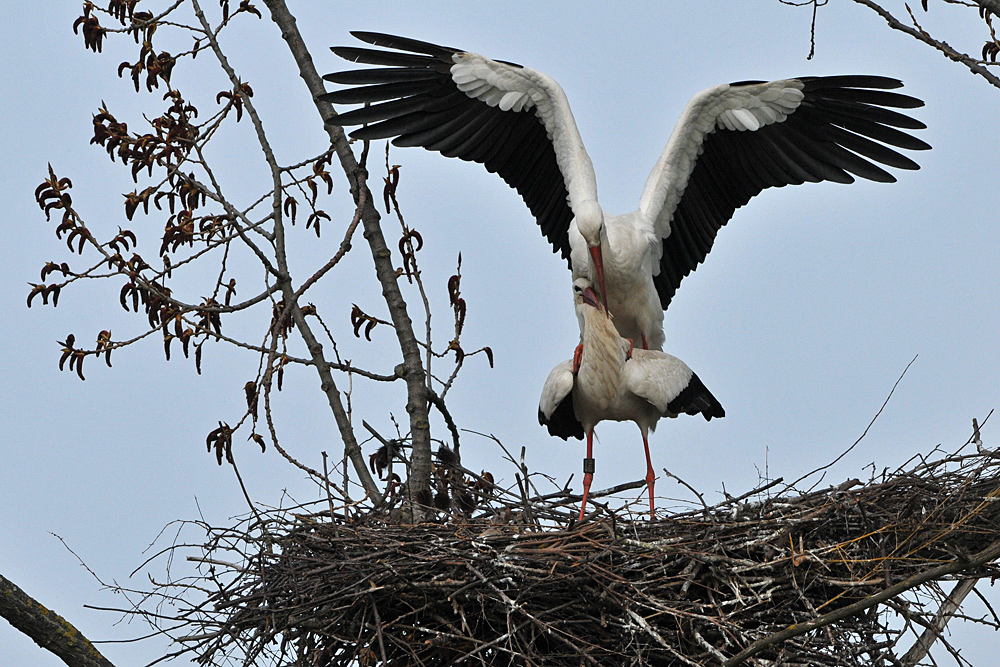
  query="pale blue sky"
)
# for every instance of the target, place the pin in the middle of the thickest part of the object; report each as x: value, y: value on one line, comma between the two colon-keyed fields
x: 811, y: 304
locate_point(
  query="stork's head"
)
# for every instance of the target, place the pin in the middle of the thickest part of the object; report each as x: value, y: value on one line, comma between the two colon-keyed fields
x: 584, y: 294
x: 590, y: 222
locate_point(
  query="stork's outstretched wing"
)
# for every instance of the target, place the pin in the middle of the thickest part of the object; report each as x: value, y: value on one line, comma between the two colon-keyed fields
x: 735, y: 140
x: 511, y: 119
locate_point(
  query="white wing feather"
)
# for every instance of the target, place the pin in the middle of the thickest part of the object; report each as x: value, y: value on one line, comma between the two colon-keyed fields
x: 518, y: 88
x: 557, y: 387
x: 744, y: 108
x: 656, y: 376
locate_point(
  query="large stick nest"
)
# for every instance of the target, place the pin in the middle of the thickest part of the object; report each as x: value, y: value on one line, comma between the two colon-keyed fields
x: 692, y: 588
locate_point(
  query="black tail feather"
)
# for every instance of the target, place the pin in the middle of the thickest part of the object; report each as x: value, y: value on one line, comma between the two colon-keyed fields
x: 697, y: 399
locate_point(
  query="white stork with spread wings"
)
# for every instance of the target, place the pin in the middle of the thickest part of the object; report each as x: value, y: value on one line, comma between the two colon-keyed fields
x: 613, y: 382
x: 731, y: 142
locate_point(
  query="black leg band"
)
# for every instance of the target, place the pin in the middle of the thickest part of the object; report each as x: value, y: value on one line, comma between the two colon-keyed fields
x: 588, y: 466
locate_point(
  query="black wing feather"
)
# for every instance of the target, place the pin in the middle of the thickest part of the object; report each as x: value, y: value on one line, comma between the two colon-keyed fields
x: 841, y: 127
x: 375, y: 93
x: 404, y: 44
x: 463, y: 125
x: 869, y: 128
x: 387, y: 58
x: 563, y: 422
x: 480, y: 137
x: 353, y: 77
x: 850, y: 81
x: 696, y: 399
x: 874, y: 114
x: 398, y: 108
x: 414, y: 101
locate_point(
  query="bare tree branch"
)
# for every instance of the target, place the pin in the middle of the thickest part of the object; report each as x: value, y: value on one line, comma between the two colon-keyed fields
x: 315, y: 348
x: 413, y: 370
x: 47, y: 628
x: 948, y: 609
x: 974, y: 65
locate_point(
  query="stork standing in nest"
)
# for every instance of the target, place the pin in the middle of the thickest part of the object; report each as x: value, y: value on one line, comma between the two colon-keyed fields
x: 611, y: 380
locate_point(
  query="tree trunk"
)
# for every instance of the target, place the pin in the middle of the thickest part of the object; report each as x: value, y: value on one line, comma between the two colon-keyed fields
x: 412, y: 367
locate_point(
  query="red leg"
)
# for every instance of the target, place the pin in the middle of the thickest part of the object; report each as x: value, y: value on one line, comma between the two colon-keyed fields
x: 645, y: 345
x: 650, y: 477
x: 588, y: 471
x: 577, y: 357
x: 631, y: 346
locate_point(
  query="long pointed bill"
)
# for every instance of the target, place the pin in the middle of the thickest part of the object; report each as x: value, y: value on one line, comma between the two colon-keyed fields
x: 595, y: 254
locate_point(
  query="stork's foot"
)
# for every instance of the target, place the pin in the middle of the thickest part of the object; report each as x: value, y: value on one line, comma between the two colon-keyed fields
x: 645, y: 345
x: 577, y: 357
x: 631, y: 346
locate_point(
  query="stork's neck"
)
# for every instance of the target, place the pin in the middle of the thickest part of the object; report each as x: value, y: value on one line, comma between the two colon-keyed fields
x: 599, y: 334
x: 603, y: 355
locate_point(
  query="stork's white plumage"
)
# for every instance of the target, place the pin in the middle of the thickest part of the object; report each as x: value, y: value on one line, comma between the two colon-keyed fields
x: 731, y: 142
x: 614, y: 385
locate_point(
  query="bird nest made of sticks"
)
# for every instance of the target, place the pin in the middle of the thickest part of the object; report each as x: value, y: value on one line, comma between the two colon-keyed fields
x: 849, y: 575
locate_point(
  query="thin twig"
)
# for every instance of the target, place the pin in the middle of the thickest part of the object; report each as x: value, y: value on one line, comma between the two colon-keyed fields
x: 973, y: 64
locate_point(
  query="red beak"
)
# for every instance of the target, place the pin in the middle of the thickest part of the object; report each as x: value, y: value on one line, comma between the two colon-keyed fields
x: 590, y: 298
x: 595, y: 254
